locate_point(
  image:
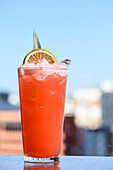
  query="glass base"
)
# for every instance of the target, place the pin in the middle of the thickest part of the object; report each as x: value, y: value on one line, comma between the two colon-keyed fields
x: 41, y: 160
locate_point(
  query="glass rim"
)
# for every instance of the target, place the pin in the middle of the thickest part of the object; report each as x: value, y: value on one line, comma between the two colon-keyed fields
x: 42, y: 68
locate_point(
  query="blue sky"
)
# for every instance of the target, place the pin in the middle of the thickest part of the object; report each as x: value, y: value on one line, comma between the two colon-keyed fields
x: 79, y: 30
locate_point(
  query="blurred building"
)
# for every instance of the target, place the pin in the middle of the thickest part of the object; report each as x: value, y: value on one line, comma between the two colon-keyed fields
x: 96, y: 142
x: 87, y: 108
x: 107, y: 103
x: 107, y: 109
x: 74, y: 135
x: 8, y: 101
x: 90, y: 110
x: 10, y: 125
x: 107, y: 112
x: 69, y: 106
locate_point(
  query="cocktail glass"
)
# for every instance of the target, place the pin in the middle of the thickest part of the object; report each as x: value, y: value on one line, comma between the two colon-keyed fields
x: 42, y: 98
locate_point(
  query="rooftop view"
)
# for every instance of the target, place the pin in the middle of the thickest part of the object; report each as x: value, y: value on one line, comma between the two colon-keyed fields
x: 79, y: 36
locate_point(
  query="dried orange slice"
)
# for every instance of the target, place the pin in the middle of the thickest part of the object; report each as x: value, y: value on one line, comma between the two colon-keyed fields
x: 37, y: 55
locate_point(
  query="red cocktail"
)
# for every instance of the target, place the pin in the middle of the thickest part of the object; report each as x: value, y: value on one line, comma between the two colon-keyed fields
x: 42, y: 98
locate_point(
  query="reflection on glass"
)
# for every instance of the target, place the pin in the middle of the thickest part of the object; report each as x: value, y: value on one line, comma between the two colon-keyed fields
x: 32, y: 166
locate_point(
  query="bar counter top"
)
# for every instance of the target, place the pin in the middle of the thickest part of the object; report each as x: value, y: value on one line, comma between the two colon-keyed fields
x: 16, y: 162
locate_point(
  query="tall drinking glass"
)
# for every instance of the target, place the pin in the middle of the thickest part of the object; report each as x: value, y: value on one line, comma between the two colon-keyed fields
x: 42, y: 98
